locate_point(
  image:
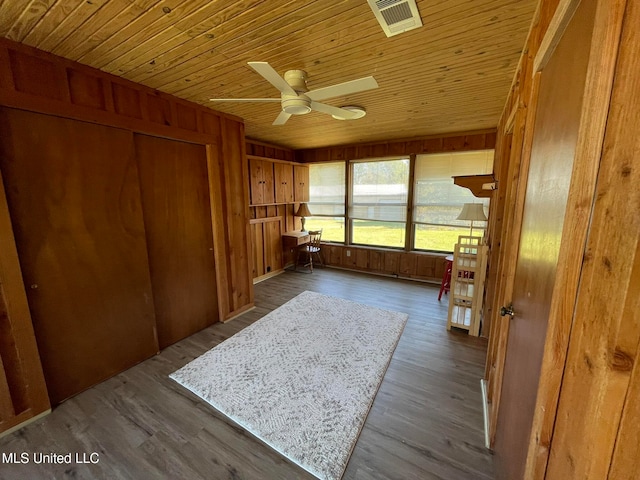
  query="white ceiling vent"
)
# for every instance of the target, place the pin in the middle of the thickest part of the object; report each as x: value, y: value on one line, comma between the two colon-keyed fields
x: 396, y: 16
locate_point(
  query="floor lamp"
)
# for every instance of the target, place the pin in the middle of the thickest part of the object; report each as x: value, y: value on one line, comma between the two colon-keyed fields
x: 303, y: 211
x: 473, y: 212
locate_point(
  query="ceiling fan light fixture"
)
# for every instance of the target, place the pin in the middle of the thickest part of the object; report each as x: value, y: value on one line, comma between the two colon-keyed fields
x: 359, y: 113
x: 296, y: 105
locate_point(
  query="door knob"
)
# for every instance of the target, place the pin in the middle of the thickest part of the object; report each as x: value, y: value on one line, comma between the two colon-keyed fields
x: 507, y: 310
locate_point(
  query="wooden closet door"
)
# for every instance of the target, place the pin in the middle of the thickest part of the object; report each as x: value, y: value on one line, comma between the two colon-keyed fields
x: 74, y: 199
x: 177, y: 217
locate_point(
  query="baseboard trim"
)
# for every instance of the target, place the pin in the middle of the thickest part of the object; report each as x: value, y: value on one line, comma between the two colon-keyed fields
x: 485, y: 413
x: 388, y: 275
x: 241, y: 311
x: 267, y: 276
x: 25, y: 423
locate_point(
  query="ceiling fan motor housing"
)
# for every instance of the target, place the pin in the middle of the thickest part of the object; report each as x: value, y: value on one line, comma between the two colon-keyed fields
x: 297, y: 79
x: 296, y: 104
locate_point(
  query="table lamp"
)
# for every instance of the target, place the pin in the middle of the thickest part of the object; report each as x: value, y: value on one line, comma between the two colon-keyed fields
x: 473, y: 212
x: 303, y: 211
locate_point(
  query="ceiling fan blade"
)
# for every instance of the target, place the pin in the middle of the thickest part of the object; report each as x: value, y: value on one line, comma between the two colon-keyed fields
x: 343, y: 89
x: 282, y: 118
x: 338, y: 112
x: 245, y: 99
x: 271, y: 76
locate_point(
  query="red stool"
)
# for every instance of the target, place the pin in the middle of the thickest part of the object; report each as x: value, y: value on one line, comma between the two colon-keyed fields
x: 446, y: 277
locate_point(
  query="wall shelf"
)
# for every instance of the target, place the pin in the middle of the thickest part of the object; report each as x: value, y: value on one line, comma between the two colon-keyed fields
x: 474, y: 183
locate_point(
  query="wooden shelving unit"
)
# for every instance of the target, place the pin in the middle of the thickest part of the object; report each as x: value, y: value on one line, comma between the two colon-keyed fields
x: 277, y: 182
x: 467, y: 284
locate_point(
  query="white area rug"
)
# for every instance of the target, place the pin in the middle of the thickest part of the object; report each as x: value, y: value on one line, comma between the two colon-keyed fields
x: 302, y: 378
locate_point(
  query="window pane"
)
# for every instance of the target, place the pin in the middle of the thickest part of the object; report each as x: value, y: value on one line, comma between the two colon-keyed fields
x: 332, y: 228
x: 380, y: 190
x: 440, y: 238
x: 438, y: 201
x: 380, y: 234
x: 327, y: 188
x: 444, y: 214
x: 329, y: 209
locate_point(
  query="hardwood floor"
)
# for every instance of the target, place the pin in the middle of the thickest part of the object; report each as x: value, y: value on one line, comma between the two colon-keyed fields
x: 425, y: 423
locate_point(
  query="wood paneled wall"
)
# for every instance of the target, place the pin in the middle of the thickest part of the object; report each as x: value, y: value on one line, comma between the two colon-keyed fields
x: 31, y: 79
x: 410, y: 265
x: 76, y: 91
x: 597, y: 423
x: 266, y: 236
x: 264, y: 219
x: 36, y: 81
x: 267, y: 150
x: 459, y: 142
x: 232, y: 236
x: 586, y: 419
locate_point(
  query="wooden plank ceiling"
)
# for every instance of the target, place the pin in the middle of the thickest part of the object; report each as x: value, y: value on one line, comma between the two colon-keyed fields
x: 450, y: 75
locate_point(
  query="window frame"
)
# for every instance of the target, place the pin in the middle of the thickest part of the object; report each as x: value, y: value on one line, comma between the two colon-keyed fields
x: 350, y: 191
x: 409, y: 223
x: 415, y: 224
x: 346, y: 192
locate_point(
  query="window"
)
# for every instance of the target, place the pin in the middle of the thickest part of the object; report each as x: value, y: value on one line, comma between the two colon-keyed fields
x: 378, y: 202
x: 378, y: 196
x: 326, y: 200
x: 438, y: 201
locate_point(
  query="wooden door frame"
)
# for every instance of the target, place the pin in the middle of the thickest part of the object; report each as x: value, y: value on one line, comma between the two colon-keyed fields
x: 516, y: 183
x: 518, y: 176
x: 602, y: 60
x: 19, y: 336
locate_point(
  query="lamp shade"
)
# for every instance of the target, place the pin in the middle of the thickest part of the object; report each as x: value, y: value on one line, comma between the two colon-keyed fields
x: 472, y: 211
x: 303, y: 211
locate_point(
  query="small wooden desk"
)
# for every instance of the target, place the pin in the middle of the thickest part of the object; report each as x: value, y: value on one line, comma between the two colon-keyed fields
x: 293, y: 241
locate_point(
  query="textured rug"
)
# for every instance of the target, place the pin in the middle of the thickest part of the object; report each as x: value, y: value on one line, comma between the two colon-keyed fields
x: 302, y: 378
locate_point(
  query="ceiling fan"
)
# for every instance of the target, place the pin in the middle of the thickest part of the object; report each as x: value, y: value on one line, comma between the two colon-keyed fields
x: 296, y: 99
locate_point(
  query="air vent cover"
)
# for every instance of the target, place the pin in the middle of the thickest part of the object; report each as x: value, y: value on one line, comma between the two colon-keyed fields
x: 396, y: 16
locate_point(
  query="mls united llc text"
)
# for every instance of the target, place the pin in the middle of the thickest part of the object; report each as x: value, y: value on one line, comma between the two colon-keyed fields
x: 53, y: 458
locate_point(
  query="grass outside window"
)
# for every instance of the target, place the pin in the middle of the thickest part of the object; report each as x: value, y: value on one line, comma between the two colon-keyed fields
x: 378, y: 234
x: 440, y: 238
x: 390, y: 234
x: 332, y: 228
